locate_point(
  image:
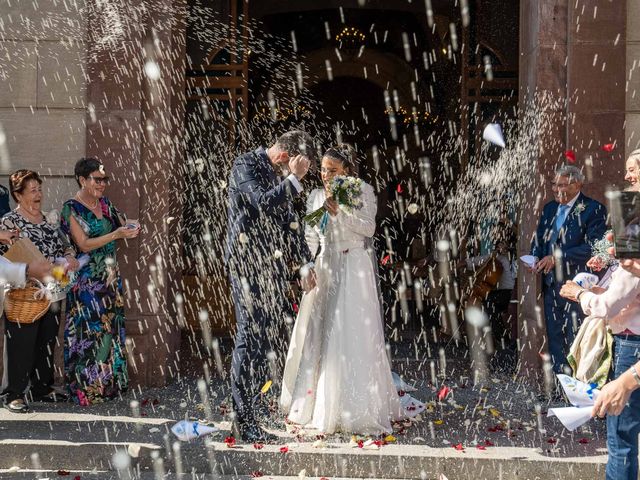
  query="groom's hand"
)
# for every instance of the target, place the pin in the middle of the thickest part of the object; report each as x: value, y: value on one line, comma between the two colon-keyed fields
x: 299, y: 166
x: 308, y: 281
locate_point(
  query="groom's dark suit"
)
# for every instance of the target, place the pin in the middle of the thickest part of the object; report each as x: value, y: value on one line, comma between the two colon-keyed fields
x: 264, y: 238
x: 583, y: 224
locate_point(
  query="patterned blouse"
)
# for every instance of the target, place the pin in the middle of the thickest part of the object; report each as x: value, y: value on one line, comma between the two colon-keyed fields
x: 48, y: 237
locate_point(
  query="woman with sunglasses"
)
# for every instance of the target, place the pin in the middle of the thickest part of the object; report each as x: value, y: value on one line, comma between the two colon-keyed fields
x: 94, y: 349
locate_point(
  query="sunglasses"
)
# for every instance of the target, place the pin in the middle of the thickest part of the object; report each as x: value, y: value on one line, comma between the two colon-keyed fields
x: 99, y: 180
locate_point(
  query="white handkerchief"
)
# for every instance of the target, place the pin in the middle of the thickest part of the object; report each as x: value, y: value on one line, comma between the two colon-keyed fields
x: 582, y: 396
x: 528, y: 260
x: 571, y: 417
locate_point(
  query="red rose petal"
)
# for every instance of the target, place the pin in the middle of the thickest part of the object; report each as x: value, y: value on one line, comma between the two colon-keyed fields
x: 77, y: 477
x: 570, y: 155
x: 258, y: 446
x: 144, y: 402
x: 63, y: 473
x: 284, y: 449
x: 458, y: 446
x: 399, y: 188
x: 481, y: 447
x: 583, y: 441
x: 443, y: 393
x: 256, y: 474
x: 385, y: 259
x: 551, y: 440
x: 230, y: 441
x: 609, y: 147
x: 488, y: 443
x: 295, y: 307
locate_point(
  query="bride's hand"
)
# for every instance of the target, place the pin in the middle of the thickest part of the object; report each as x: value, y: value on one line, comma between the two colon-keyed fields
x: 332, y: 206
x: 308, y: 282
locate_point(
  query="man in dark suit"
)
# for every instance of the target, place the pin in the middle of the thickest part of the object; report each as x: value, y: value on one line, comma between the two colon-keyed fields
x: 562, y: 246
x: 264, y: 239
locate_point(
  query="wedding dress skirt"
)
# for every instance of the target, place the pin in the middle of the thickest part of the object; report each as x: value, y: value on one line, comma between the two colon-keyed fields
x: 337, y: 376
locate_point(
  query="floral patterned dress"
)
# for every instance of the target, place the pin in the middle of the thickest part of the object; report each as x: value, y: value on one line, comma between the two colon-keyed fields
x: 95, y: 362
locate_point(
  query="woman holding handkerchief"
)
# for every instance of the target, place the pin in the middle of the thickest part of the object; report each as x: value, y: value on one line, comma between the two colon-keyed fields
x: 94, y: 350
x: 30, y: 346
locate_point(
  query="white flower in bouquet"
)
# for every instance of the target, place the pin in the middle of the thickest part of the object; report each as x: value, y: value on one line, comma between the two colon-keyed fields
x: 346, y: 191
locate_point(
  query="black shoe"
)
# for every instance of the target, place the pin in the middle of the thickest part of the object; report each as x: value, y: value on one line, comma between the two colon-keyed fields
x: 52, y: 397
x: 16, y: 406
x: 255, y: 434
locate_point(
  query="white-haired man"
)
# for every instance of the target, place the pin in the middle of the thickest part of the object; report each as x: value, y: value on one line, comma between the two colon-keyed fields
x: 562, y: 246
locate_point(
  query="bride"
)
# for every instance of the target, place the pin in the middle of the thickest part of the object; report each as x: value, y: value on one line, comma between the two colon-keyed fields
x: 337, y: 377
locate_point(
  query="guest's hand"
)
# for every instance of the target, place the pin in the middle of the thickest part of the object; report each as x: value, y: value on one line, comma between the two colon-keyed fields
x: 299, y: 166
x: 308, y: 281
x: 545, y: 265
x: 570, y: 290
x: 613, y: 397
x: 40, y: 269
x: 124, y: 232
x: 72, y: 263
x: 7, y: 237
x: 596, y: 264
x: 332, y: 206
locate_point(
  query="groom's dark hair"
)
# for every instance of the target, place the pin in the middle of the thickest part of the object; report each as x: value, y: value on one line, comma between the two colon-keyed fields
x: 296, y: 142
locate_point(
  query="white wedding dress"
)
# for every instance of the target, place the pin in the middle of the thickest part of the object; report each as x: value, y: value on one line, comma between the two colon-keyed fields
x: 337, y: 377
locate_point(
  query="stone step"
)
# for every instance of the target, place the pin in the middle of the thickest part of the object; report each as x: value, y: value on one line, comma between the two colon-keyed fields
x: 88, y: 443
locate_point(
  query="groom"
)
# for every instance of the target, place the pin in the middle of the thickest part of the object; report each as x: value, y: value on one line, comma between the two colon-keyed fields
x: 264, y: 237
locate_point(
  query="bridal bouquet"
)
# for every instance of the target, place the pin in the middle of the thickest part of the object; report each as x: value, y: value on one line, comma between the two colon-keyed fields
x: 344, y: 190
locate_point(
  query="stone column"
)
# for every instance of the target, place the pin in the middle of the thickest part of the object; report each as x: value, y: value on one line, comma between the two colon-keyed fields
x: 42, y: 99
x: 574, y: 51
x: 135, y: 124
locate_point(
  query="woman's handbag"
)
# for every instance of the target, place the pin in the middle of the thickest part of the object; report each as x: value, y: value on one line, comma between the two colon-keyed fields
x: 26, y: 305
x: 591, y: 354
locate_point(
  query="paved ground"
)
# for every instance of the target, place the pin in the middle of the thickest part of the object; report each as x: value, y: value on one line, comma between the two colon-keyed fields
x: 495, y: 430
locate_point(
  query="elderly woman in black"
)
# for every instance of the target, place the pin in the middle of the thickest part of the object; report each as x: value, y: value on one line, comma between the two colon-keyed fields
x: 30, y: 346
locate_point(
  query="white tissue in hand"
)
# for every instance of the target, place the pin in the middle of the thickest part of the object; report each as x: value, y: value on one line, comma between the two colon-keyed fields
x: 586, y: 280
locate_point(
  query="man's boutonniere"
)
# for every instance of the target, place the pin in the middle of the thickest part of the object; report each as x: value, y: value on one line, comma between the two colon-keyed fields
x: 579, y: 208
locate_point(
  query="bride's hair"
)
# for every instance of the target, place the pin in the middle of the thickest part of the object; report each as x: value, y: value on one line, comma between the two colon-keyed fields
x: 346, y: 155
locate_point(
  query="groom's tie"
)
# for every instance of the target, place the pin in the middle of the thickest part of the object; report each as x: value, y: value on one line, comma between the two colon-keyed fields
x: 561, y: 215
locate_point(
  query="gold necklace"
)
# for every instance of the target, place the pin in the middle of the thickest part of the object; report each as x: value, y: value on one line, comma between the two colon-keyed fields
x: 85, y: 203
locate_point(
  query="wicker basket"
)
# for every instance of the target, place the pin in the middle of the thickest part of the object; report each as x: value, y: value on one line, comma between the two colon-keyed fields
x: 26, y: 305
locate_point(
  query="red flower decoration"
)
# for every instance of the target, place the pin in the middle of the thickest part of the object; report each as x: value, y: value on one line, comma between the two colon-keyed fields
x: 256, y: 474
x: 230, y: 442
x: 284, y: 449
x: 360, y: 443
x: 583, y: 441
x: 258, y: 446
x: 459, y: 447
x: 385, y: 260
x: 570, y: 155
x: 609, y: 147
x: 443, y: 392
